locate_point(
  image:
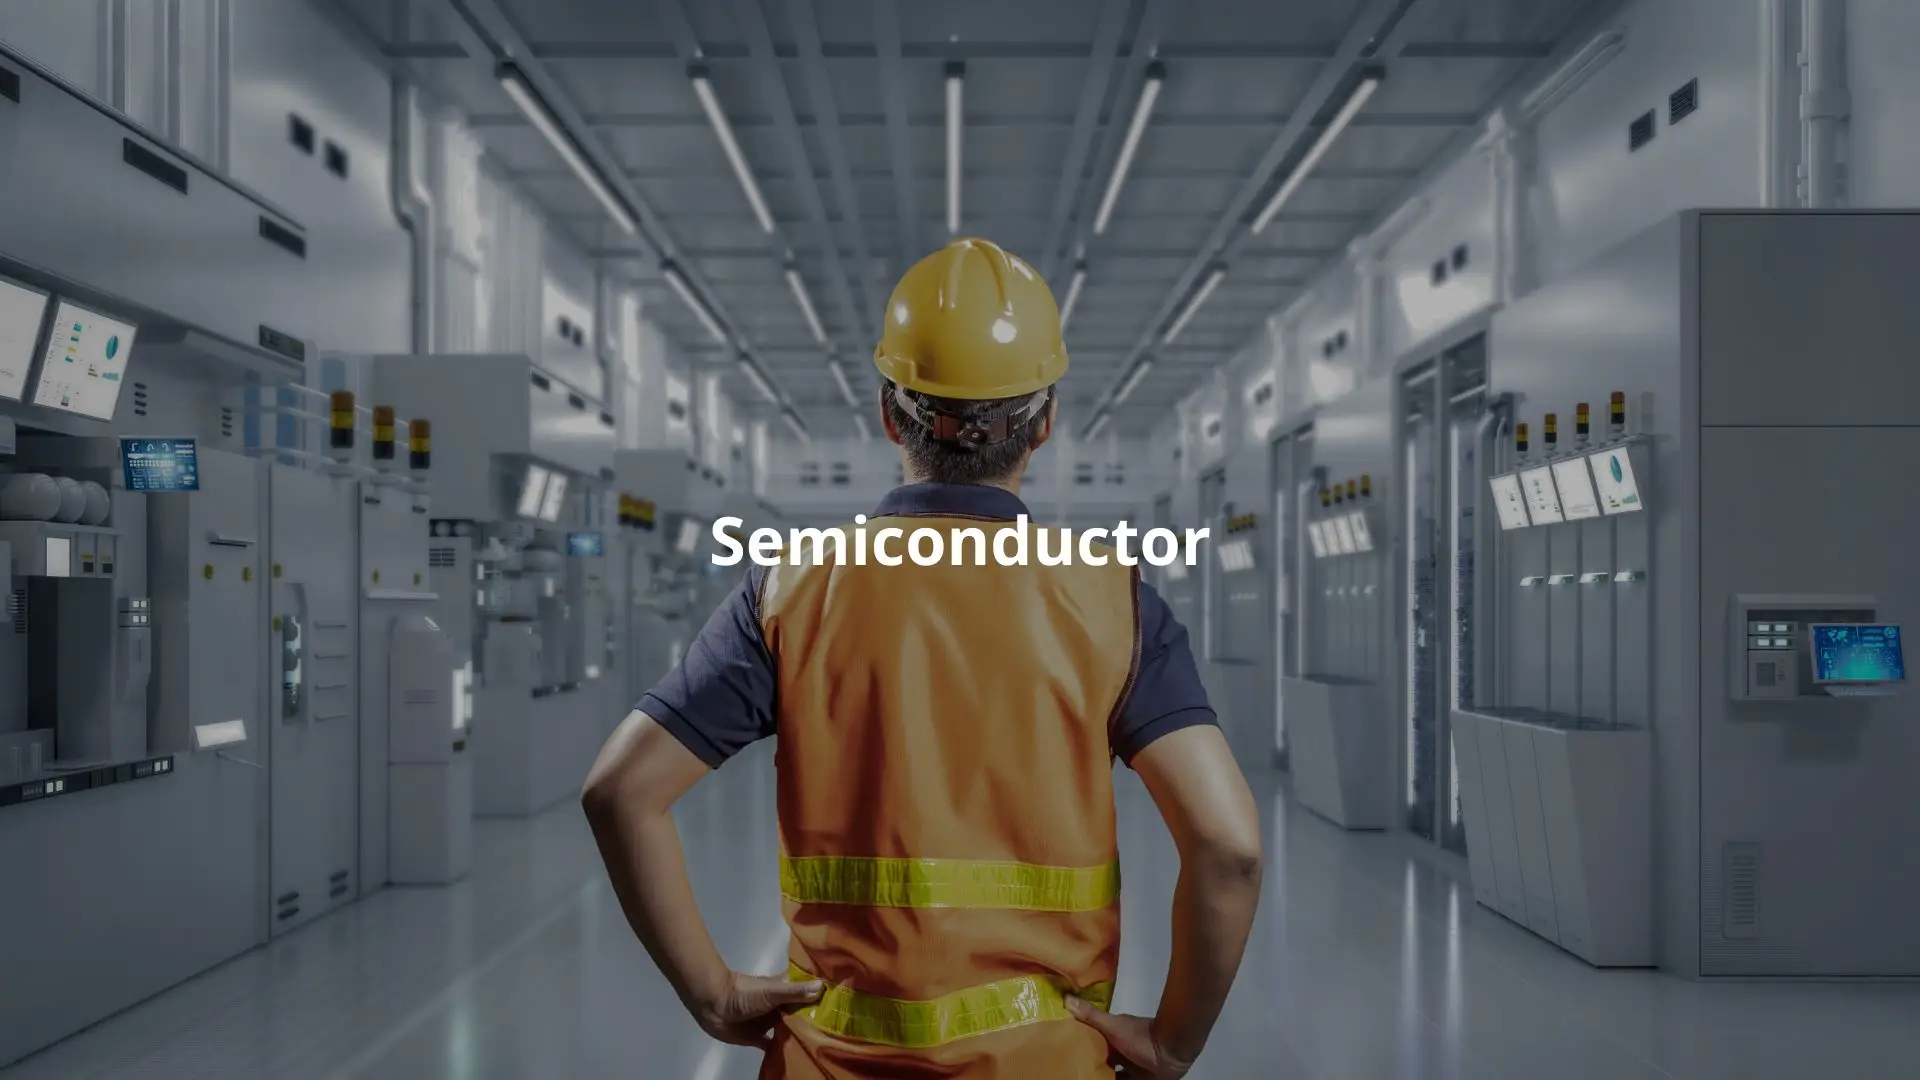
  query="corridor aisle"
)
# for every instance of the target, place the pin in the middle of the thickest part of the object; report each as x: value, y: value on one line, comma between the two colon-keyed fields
x: 1367, y: 963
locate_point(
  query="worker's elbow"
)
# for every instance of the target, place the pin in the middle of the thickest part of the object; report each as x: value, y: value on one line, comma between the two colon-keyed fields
x: 599, y: 795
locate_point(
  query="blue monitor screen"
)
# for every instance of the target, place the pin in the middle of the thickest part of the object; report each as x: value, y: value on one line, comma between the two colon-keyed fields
x: 584, y: 543
x: 160, y: 464
x: 1857, y: 653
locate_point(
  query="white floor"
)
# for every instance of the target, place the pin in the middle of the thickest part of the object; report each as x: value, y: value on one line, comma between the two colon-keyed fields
x: 1367, y: 963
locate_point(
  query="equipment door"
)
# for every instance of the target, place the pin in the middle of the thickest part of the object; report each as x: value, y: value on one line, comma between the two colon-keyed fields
x: 1464, y: 370
x: 1420, y: 607
x: 314, y: 770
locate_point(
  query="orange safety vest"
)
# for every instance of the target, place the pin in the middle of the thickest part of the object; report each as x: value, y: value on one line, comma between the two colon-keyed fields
x: 949, y: 866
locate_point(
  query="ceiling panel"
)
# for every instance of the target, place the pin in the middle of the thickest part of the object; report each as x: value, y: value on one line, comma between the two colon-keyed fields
x: 1236, y: 73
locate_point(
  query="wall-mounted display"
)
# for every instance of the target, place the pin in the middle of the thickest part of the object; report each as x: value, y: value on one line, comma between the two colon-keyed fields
x: 22, y: 310
x: 1577, y: 497
x: 160, y: 464
x: 689, y: 539
x: 585, y: 544
x: 1856, y: 654
x: 1543, y: 499
x: 1509, y: 502
x: 82, y: 365
x: 1613, y: 476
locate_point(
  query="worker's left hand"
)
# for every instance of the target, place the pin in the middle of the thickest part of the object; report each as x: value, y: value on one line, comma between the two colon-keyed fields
x: 746, y: 1013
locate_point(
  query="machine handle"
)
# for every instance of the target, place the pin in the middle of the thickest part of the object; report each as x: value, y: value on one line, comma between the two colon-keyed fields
x: 224, y: 756
x: 330, y: 716
x: 218, y: 539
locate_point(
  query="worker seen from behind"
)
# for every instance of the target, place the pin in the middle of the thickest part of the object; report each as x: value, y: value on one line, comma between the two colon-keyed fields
x: 946, y: 738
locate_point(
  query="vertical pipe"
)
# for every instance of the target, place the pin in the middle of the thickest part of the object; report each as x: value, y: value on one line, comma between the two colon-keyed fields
x: 220, y: 82
x: 168, y: 75
x: 113, y: 76
x: 1772, y: 54
x: 413, y: 206
x: 1824, y: 103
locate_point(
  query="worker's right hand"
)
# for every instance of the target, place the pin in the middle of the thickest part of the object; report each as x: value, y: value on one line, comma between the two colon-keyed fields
x: 1136, y: 1053
x: 745, y: 1014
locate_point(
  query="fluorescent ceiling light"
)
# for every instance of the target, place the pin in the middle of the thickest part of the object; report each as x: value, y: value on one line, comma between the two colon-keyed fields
x: 956, y: 78
x: 840, y: 380
x: 703, y: 88
x: 1149, y: 92
x: 1200, y: 295
x: 799, y: 430
x: 800, y: 296
x: 759, y: 381
x: 685, y: 292
x: 1133, y: 380
x: 1099, y: 423
x: 1368, y: 84
x: 1073, y: 293
x: 514, y: 82
x: 860, y: 421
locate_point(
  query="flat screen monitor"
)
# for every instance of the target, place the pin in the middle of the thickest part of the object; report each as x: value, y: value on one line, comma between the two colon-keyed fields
x: 1509, y: 503
x: 81, y: 367
x: 585, y: 544
x: 688, y: 541
x: 1855, y: 654
x: 1576, y: 489
x: 22, y: 310
x: 532, y: 491
x: 160, y: 464
x: 1342, y: 536
x: 556, y: 496
x: 1613, y: 476
x: 1543, y: 499
x: 1362, y: 532
x: 1317, y: 536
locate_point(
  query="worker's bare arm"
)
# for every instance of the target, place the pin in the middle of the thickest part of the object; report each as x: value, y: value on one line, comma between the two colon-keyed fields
x: 1204, y: 798
x: 640, y: 773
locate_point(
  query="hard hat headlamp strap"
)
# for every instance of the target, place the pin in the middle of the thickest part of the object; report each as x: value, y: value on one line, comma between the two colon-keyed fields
x: 972, y: 433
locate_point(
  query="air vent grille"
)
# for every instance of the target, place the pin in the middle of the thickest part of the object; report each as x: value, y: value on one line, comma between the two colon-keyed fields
x: 1741, y: 869
x: 17, y: 607
x: 154, y: 165
x: 1640, y: 132
x: 10, y: 85
x: 226, y: 421
x: 442, y: 558
x: 139, y: 399
x: 1682, y: 102
x: 282, y: 237
x: 300, y: 133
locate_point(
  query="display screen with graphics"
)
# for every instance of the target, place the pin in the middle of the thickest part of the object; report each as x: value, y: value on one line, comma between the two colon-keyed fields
x: 22, y: 310
x: 689, y: 539
x: 1317, y: 536
x: 160, y: 464
x: 1613, y: 476
x: 1342, y: 536
x: 1543, y: 499
x: 556, y: 495
x: 1507, y: 500
x: 585, y: 544
x: 1576, y: 489
x: 85, y: 357
x: 532, y: 492
x: 1362, y: 532
x: 1846, y: 653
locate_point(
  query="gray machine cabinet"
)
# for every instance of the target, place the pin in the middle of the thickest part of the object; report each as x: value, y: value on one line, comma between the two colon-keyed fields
x: 314, y: 712
x: 1338, y: 731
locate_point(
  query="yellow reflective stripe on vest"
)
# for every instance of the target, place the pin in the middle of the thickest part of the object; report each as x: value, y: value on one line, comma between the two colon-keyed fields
x: 948, y: 883
x: 917, y: 1025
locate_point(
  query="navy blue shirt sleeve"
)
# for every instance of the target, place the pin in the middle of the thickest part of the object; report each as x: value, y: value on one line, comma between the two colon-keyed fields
x: 721, y: 698
x: 1167, y: 694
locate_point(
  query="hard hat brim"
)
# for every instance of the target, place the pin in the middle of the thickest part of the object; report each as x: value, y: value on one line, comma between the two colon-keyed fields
x: 904, y: 373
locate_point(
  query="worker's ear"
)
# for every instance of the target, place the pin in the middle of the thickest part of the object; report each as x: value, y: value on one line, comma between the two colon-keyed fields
x: 886, y: 419
x: 1044, y: 430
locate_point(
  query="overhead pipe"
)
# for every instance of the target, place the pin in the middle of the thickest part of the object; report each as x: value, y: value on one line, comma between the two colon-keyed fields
x: 413, y: 205
x: 1824, y: 101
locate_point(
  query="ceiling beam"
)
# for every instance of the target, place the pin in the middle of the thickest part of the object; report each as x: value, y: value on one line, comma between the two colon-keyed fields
x: 773, y: 91
x: 805, y: 28
x: 984, y: 120
x: 669, y: 171
x: 982, y: 50
x: 1376, y: 18
x: 893, y: 92
x: 1093, y: 95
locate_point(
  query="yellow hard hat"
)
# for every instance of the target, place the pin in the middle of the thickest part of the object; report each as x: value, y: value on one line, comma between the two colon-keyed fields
x: 973, y: 323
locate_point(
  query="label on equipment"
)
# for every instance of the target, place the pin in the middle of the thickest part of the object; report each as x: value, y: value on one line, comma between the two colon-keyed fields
x: 160, y: 464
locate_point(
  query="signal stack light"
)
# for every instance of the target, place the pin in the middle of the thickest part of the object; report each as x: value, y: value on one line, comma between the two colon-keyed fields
x: 1353, y: 491
x: 383, y: 437
x: 1580, y: 425
x: 419, y: 459
x: 1551, y: 432
x: 1366, y: 485
x: 340, y: 421
x: 1326, y: 498
x: 1617, y: 414
x: 1520, y: 440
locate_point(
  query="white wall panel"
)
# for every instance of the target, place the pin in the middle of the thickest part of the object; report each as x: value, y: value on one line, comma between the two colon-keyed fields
x: 1883, y: 60
x: 68, y: 36
x: 1414, y: 309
